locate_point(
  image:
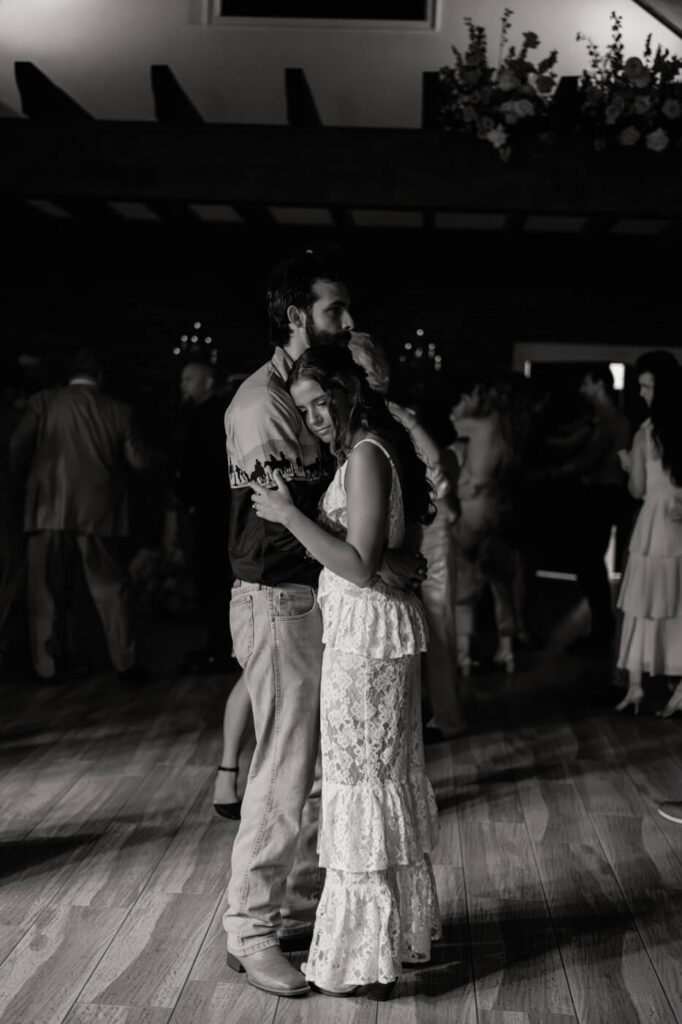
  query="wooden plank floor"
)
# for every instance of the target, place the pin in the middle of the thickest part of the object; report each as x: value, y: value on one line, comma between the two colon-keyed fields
x: 560, y: 886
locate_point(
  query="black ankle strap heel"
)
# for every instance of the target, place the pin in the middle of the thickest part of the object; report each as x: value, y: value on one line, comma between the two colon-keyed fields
x: 233, y: 810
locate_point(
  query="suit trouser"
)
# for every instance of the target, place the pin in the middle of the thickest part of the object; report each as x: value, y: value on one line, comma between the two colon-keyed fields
x: 277, y: 636
x: 438, y: 597
x: 50, y: 556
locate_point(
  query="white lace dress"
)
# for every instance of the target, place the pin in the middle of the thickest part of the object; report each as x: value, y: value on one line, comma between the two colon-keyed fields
x: 379, y: 819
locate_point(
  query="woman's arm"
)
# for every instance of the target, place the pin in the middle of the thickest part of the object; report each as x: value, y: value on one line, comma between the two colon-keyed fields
x: 422, y: 440
x: 467, y: 426
x: 368, y: 485
x: 637, y: 478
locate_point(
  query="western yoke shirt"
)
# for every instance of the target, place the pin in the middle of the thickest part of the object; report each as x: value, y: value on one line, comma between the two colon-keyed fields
x: 264, y: 432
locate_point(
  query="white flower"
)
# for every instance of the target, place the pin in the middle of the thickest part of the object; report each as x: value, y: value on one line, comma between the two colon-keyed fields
x: 507, y: 80
x: 641, y: 81
x: 629, y: 136
x: 657, y: 141
x: 671, y: 108
x: 642, y: 104
x: 497, y: 136
x: 524, y: 108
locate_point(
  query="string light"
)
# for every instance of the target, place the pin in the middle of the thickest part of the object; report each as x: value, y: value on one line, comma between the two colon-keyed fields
x: 188, y: 341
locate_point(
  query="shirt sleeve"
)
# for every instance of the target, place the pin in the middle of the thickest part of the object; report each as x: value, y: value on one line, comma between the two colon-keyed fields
x: 264, y: 433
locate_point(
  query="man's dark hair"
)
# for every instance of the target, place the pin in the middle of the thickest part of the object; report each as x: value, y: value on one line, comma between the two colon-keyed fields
x: 602, y: 372
x: 665, y: 411
x: 87, y: 363
x: 291, y: 284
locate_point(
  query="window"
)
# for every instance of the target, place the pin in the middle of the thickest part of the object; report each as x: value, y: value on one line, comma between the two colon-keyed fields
x: 404, y: 14
x: 355, y: 10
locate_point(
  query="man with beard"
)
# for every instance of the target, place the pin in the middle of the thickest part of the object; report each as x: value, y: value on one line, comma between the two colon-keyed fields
x: 277, y: 631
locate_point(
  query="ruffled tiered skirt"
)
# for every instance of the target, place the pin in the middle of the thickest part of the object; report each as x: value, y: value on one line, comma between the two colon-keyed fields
x: 651, y: 593
x: 379, y: 907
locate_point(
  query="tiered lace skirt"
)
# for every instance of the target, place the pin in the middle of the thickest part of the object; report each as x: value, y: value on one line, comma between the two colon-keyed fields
x: 379, y: 822
x: 651, y: 592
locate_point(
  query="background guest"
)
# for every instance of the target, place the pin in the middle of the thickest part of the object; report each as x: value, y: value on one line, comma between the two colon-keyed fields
x: 438, y: 589
x: 594, y: 459
x: 204, y: 489
x: 484, y: 449
x: 651, y: 597
x: 77, y: 444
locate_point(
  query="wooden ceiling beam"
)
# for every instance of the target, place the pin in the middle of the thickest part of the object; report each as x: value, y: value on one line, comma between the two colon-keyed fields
x: 251, y: 165
x: 42, y: 99
x: 255, y: 215
x: 668, y: 12
x: 172, y: 105
x: 302, y: 110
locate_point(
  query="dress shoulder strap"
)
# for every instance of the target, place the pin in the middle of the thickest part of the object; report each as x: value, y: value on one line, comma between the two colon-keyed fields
x: 372, y: 440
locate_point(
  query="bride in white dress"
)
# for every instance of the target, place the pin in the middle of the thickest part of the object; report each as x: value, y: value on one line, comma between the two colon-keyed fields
x: 379, y: 907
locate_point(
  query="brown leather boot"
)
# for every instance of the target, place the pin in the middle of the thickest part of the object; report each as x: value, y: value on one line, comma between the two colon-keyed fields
x: 270, y: 971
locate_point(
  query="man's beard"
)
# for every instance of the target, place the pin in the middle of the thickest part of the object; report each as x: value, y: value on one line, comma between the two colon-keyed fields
x: 317, y: 336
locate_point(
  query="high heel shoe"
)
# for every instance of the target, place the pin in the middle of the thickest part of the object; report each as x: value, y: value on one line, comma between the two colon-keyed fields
x: 232, y: 810
x: 633, y: 697
x: 379, y: 992
x: 674, y: 704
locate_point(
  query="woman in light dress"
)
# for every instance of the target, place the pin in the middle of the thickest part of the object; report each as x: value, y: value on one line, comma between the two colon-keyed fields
x: 651, y: 592
x: 483, y: 447
x: 379, y: 908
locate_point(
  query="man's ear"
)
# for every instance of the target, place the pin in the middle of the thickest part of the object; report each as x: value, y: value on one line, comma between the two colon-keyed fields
x: 295, y: 316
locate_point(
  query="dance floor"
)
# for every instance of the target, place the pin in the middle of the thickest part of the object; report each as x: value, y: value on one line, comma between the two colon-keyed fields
x: 560, y: 886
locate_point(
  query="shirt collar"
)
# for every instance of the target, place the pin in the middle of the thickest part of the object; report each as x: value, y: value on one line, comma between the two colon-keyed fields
x: 83, y: 380
x: 282, y: 362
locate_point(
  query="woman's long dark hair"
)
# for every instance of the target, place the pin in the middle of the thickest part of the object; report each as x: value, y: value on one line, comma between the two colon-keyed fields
x: 333, y: 368
x: 666, y: 408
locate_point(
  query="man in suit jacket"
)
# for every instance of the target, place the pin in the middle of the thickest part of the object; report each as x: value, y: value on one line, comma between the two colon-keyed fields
x: 78, y: 445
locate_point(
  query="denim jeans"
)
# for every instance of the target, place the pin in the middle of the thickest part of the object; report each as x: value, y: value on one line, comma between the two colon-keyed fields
x: 438, y: 597
x: 277, y: 637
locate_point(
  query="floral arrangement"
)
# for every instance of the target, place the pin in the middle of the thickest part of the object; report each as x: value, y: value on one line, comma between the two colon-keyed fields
x: 631, y: 102
x: 493, y: 102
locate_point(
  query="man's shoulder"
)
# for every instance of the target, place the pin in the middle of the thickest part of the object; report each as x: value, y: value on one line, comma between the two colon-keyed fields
x: 106, y: 407
x: 263, y: 389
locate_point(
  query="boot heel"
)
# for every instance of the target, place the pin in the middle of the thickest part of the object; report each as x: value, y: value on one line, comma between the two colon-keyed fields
x: 235, y: 964
x: 379, y: 992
